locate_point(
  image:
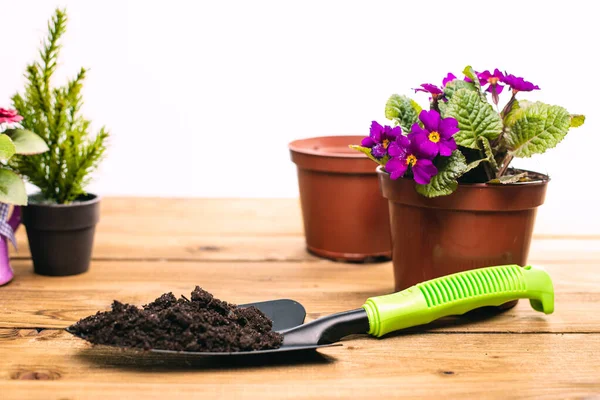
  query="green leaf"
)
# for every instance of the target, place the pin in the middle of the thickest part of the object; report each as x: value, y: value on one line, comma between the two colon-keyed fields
x: 27, y: 142
x: 452, y: 86
x: 475, y: 118
x: 474, y: 164
x: 509, y: 178
x: 449, y: 170
x: 7, y: 148
x: 470, y: 73
x: 402, y: 110
x: 442, y: 107
x: 367, y: 152
x: 416, y: 106
x: 489, y: 153
x: 516, y: 109
x: 536, y: 129
x: 577, y: 120
x: 12, y: 188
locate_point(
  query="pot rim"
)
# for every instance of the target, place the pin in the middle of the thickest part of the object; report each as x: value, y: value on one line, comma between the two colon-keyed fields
x: 94, y: 199
x: 296, y: 146
x: 543, y: 180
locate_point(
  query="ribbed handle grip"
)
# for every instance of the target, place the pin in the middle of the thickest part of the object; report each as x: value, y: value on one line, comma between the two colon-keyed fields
x: 458, y: 293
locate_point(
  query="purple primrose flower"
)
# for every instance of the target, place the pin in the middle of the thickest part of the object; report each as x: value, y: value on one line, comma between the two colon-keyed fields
x: 449, y: 78
x: 518, y: 84
x: 429, y: 88
x: 380, y: 138
x: 405, y: 153
x: 436, y: 135
x: 438, y: 92
x: 493, y: 79
x: 435, y: 91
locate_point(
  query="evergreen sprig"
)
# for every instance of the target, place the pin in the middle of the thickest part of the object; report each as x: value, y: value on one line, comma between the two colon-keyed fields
x: 54, y: 114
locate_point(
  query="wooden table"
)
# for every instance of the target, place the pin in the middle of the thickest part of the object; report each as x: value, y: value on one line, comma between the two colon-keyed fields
x: 251, y: 250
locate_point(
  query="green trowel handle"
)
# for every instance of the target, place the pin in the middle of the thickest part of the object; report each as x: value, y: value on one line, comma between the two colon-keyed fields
x: 458, y: 293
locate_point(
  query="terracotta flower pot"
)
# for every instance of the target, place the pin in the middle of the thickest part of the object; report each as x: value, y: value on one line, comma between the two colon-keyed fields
x: 345, y: 217
x: 479, y: 225
x: 61, y: 236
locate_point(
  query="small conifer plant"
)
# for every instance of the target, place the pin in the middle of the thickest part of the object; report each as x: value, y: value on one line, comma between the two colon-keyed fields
x: 54, y: 113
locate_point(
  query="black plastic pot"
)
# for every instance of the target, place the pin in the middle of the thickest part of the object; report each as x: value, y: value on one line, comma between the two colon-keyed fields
x: 61, y: 236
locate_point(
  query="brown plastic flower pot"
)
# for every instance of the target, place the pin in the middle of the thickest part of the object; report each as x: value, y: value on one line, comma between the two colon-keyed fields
x: 479, y: 225
x: 61, y: 236
x: 345, y: 217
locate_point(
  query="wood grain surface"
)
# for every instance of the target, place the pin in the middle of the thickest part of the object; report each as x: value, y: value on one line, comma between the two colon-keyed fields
x: 434, y: 365
x: 239, y: 230
x: 252, y: 250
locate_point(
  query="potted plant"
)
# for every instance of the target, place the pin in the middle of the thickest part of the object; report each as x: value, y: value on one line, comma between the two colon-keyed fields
x: 61, y: 218
x: 335, y: 184
x: 455, y: 203
x: 13, y: 140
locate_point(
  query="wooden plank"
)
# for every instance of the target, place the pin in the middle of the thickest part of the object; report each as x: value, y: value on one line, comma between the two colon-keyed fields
x: 159, y: 228
x: 191, y: 216
x: 253, y: 217
x: 139, y: 246
x: 323, y: 287
x: 408, y: 366
x: 150, y: 246
x: 235, y: 230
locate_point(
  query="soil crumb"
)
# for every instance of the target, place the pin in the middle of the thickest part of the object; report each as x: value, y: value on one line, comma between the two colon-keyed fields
x: 202, y: 324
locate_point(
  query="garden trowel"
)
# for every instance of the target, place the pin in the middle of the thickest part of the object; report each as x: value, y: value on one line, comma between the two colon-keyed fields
x: 423, y: 303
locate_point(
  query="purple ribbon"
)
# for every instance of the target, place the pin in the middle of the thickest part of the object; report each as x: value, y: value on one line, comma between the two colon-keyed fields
x: 6, y: 229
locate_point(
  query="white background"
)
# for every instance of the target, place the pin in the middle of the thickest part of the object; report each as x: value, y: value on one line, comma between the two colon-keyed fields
x: 203, y: 97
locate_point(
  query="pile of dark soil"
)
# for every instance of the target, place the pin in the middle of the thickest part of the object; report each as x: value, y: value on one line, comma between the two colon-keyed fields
x: 201, y: 324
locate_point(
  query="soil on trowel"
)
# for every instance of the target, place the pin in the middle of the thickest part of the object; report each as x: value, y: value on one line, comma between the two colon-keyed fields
x: 202, y: 324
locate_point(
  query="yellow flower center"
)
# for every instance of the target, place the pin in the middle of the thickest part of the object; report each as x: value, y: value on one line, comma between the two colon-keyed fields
x: 385, y: 143
x: 434, y: 137
x: 492, y: 80
x: 411, y: 160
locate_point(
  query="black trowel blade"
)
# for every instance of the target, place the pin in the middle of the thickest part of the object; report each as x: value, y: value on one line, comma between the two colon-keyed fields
x: 284, y: 313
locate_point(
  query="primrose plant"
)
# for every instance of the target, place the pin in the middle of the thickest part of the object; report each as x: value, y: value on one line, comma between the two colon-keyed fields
x: 464, y: 137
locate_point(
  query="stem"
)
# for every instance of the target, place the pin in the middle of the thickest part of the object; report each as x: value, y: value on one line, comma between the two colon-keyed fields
x: 505, y: 163
x: 434, y: 103
x: 505, y: 111
x: 495, y: 97
x: 508, y: 105
x: 508, y: 157
x: 486, y: 167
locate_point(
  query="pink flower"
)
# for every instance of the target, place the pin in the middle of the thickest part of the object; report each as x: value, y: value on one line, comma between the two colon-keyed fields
x: 9, y: 116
